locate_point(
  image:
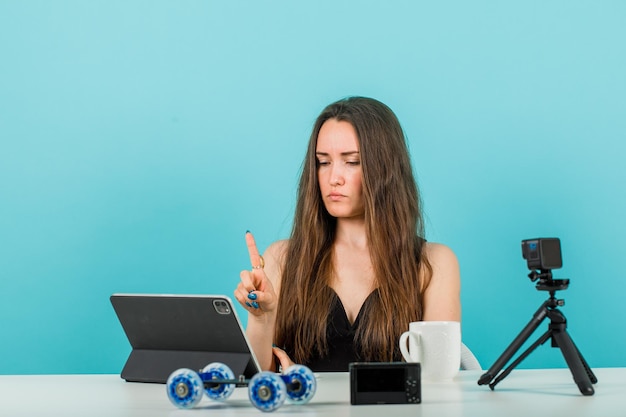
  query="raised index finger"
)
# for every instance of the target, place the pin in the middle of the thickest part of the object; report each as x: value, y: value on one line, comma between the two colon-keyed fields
x: 255, y: 257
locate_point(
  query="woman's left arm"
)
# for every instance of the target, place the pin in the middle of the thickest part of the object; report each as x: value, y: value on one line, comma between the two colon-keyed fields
x: 442, y: 298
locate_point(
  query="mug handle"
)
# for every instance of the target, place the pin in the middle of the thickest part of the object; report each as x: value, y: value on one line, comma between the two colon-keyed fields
x: 403, y: 346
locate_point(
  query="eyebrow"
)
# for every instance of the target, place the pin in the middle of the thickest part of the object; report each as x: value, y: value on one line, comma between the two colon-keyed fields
x: 348, y: 153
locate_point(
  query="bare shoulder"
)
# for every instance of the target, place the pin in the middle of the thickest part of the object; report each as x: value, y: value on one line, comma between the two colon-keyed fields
x: 276, y: 251
x: 274, y: 257
x: 441, y: 256
x: 442, y: 296
x: 444, y: 264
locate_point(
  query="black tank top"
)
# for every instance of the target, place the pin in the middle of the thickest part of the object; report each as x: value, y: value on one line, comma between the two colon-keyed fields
x: 340, y: 334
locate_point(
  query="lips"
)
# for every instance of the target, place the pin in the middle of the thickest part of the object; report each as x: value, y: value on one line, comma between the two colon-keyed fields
x: 335, y: 196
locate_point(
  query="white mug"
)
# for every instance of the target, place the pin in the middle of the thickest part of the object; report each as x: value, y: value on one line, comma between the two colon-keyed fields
x: 436, y: 345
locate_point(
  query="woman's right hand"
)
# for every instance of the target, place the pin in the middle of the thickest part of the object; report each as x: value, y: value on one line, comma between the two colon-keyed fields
x: 255, y: 292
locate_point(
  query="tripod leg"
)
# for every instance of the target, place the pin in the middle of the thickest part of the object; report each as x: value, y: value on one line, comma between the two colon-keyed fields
x: 521, y: 357
x: 576, y: 363
x: 590, y: 373
x: 532, y: 325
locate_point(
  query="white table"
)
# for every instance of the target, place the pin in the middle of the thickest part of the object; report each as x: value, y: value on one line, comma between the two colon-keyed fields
x: 527, y: 393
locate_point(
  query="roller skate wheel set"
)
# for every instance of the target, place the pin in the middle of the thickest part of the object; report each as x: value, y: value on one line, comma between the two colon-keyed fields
x: 267, y: 391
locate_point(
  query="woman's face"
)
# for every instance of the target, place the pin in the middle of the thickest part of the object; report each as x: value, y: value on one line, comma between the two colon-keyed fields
x: 339, y: 169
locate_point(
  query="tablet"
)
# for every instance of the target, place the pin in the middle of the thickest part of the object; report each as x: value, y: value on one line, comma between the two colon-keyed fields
x: 168, y: 332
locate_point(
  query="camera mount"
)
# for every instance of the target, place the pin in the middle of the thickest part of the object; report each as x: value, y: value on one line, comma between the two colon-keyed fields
x: 557, y: 332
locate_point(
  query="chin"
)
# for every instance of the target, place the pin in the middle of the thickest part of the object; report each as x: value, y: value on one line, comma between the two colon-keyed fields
x: 345, y: 214
x: 342, y: 212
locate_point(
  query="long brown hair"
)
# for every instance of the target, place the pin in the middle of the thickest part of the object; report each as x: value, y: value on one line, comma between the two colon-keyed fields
x: 394, y: 229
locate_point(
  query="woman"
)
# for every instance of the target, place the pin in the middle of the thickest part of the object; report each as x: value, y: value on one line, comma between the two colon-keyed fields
x: 356, y: 269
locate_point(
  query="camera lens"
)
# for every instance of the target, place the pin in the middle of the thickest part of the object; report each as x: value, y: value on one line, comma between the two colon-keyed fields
x: 221, y: 306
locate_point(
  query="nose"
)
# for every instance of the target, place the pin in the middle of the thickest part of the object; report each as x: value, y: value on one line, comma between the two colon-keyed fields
x: 336, y: 176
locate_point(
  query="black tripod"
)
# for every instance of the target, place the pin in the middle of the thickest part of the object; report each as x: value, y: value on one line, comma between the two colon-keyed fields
x: 583, y: 376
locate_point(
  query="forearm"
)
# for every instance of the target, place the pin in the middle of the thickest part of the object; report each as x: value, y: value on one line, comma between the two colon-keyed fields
x: 260, y: 334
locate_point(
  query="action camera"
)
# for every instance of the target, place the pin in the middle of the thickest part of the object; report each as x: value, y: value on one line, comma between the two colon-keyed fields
x: 542, y: 253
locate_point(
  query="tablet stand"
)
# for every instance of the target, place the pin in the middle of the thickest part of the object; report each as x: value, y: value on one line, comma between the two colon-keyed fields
x: 582, y: 373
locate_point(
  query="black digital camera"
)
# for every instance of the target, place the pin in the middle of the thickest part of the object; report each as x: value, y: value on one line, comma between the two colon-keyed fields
x: 542, y: 253
x: 385, y: 383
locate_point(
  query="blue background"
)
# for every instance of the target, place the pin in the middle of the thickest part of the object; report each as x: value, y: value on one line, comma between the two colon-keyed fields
x: 139, y: 140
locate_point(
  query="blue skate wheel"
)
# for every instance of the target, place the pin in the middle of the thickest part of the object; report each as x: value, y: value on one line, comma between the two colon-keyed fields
x: 267, y: 391
x: 218, y: 371
x: 184, y: 388
x: 301, y: 384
